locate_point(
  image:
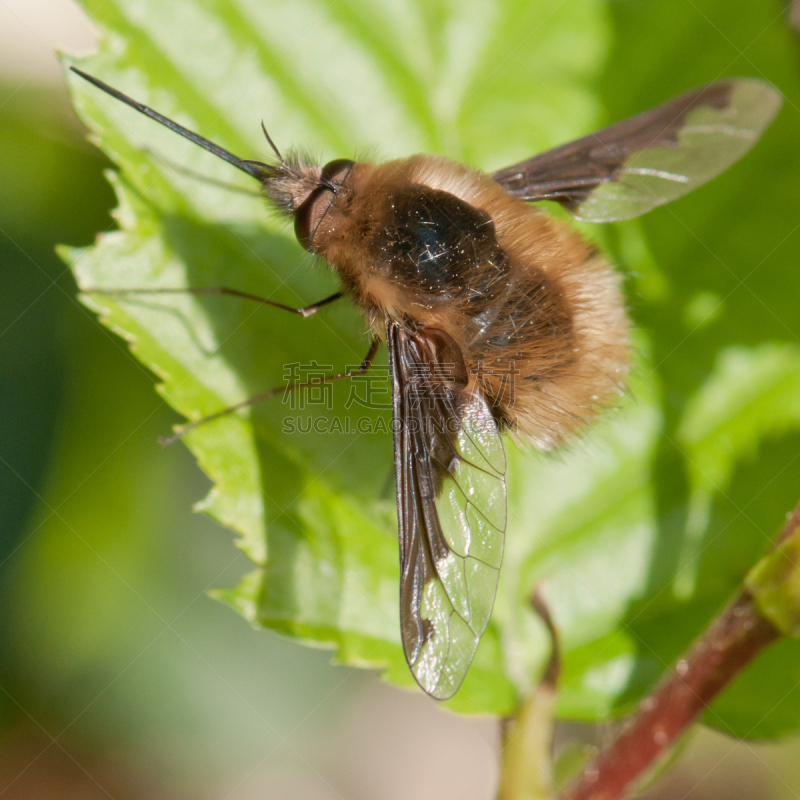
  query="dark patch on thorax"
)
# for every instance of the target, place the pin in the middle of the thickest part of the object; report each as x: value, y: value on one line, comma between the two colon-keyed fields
x: 437, y: 243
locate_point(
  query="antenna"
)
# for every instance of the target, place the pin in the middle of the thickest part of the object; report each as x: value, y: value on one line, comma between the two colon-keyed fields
x: 253, y: 168
x: 272, y: 144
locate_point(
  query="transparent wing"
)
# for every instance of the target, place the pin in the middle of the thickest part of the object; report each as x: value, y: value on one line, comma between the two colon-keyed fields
x: 653, y: 158
x: 451, y: 504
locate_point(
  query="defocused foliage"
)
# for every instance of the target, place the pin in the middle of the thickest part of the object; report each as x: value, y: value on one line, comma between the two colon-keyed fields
x: 110, y: 645
x: 643, y: 528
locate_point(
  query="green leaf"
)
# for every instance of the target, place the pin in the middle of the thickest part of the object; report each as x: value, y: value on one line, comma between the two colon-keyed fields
x: 775, y: 585
x: 639, y: 530
x: 724, y: 330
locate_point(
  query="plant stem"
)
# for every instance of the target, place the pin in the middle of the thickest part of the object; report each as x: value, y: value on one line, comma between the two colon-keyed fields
x: 730, y: 642
x: 735, y: 637
x: 526, y: 772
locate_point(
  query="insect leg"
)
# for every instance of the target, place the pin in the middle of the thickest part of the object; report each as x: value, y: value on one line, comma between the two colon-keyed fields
x: 181, y: 430
x: 305, y: 311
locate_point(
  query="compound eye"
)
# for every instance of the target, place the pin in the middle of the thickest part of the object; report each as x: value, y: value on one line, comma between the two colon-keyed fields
x: 308, y: 217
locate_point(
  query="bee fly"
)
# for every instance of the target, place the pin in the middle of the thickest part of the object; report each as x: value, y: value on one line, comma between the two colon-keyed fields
x: 494, y: 315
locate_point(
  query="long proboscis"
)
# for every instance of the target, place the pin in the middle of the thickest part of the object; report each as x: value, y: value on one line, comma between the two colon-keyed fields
x: 254, y: 168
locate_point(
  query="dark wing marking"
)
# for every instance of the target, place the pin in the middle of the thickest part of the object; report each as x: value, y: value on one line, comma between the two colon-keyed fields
x: 451, y: 507
x: 653, y: 158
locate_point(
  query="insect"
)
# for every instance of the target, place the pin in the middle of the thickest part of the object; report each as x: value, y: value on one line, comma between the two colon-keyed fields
x: 495, y: 315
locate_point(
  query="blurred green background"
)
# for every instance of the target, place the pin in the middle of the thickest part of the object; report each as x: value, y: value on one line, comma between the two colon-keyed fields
x: 119, y: 677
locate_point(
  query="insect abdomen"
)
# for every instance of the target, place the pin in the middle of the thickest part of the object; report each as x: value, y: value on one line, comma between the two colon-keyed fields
x: 547, y: 341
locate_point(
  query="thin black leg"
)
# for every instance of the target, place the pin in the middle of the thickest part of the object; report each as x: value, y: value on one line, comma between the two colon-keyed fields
x: 305, y: 311
x: 180, y: 430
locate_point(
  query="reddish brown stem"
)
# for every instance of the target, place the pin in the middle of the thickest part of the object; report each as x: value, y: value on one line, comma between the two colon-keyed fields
x: 737, y: 636
x: 731, y: 642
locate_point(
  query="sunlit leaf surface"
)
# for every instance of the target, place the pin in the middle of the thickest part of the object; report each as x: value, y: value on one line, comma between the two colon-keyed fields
x: 640, y: 529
